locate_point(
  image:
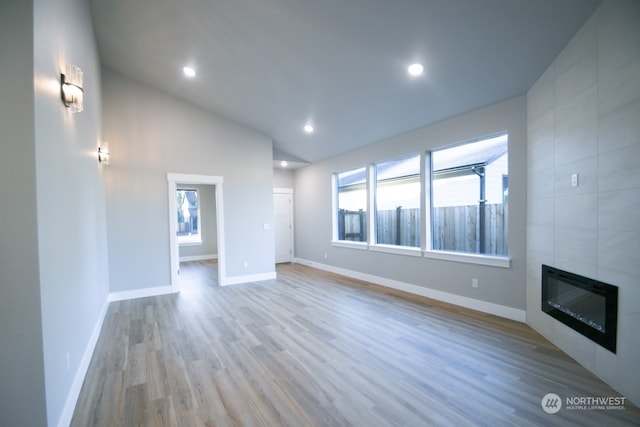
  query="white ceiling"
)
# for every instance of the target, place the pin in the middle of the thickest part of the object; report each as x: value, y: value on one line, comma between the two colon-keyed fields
x: 273, y: 65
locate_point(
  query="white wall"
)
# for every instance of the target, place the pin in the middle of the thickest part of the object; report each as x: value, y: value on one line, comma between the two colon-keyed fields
x: 152, y: 134
x: 282, y: 178
x: 53, y: 233
x: 209, y: 245
x: 71, y: 198
x: 584, y: 118
x: 22, y: 381
x: 502, y: 286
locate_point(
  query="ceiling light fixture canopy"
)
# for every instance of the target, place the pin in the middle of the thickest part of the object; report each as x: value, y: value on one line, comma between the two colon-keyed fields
x: 308, y: 128
x: 415, y: 69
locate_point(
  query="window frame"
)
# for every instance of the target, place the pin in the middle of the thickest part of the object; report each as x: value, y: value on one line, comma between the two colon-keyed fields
x: 335, y: 206
x: 192, y: 240
x: 468, y: 257
x: 426, y: 214
x: 390, y: 247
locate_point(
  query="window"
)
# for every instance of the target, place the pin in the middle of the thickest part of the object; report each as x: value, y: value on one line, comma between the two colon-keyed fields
x: 469, y: 188
x: 397, y: 201
x: 188, y: 216
x: 352, y: 205
x: 464, y: 190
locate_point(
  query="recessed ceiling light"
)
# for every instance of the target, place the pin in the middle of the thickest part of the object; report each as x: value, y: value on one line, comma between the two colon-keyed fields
x: 189, y: 72
x: 415, y: 69
x: 308, y: 128
x: 284, y: 163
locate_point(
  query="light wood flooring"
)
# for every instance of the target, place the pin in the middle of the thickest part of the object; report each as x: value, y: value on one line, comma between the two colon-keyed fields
x: 316, y: 349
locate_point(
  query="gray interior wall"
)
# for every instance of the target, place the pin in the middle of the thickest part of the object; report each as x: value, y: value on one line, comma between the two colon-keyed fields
x: 22, y: 380
x: 70, y: 194
x: 209, y: 246
x: 503, y: 286
x: 584, y: 118
x: 282, y: 178
x: 152, y: 134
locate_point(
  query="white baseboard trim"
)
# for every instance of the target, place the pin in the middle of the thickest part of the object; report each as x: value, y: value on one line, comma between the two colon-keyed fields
x: 474, y: 304
x: 140, y: 293
x: 236, y: 280
x: 198, y: 257
x: 83, y: 367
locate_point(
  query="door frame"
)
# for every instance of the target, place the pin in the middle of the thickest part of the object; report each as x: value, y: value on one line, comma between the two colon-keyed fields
x: 173, y: 179
x: 288, y: 191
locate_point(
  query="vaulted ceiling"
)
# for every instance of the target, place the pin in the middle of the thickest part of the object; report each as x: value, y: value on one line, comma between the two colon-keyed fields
x: 275, y: 65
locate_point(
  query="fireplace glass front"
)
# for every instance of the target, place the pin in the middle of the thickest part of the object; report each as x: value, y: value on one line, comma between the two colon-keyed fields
x: 585, y: 305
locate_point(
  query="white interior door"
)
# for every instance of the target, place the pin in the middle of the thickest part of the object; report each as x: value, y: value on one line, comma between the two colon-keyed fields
x: 283, y: 227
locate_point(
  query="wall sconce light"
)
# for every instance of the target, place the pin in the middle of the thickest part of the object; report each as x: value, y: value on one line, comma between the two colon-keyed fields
x: 71, y: 90
x: 103, y: 154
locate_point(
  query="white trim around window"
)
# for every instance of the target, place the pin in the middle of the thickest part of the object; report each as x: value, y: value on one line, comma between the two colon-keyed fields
x: 394, y: 249
x: 350, y: 244
x: 185, y: 241
x: 492, y: 261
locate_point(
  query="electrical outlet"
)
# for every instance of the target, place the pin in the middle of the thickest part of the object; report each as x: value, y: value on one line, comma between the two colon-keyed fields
x: 474, y: 283
x: 326, y: 255
x: 245, y: 264
x: 574, y: 180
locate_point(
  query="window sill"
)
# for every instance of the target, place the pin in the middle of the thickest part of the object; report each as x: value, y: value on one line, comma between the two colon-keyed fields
x: 348, y: 244
x: 486, y: 260
x: 400, y: 250
x: 190, y: 243
x: 493, y: 261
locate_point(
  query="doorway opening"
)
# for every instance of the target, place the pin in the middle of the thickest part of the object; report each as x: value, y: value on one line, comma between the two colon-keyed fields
x: 201, y: 183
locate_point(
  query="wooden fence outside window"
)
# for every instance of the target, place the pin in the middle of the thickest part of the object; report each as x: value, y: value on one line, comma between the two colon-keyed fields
x: 456, y: 228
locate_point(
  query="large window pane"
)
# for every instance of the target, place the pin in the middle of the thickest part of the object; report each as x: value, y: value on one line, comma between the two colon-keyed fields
x: 398, y: 202
x: 352, y: 205
x: 188, y: 216
x: 469, y: 188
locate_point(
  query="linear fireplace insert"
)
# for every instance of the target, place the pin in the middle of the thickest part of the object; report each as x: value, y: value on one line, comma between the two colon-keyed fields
x: 585, y: 305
